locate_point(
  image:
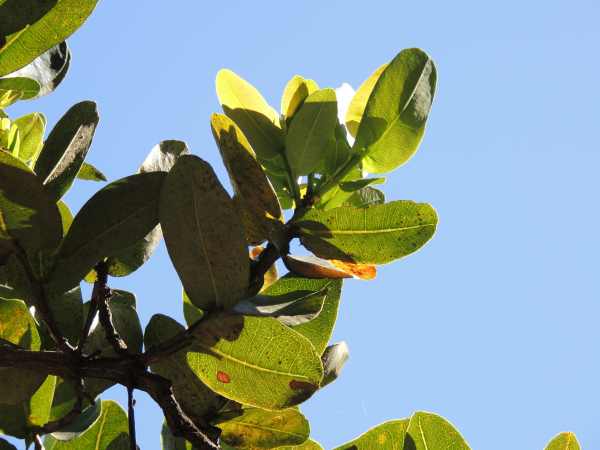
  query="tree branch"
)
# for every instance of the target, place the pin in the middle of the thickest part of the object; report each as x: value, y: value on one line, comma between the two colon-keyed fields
x: 101, y: 297
x: 131, y: 418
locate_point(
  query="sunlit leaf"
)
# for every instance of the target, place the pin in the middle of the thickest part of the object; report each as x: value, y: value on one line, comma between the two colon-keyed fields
x: 313, y: 267
x: 31, y: 130
x: 394, y: 118
x: 375, y: 235
x: 90, y: 173
x: 18, y: 88
x: 29, y: 28
x: 311, y: 132
x: 257, y: 199
x: 364, y: 197
x: 109, y: 431
x: 427, y: 431
x: 563, y: 441
x: 248, y: 427
x: 80, y: 425
x: 357, y: 106
x: 294, y: 94
x: 389, y: 435
x: 234, y: 356
x: 204, y: 235
x: 248, y: 109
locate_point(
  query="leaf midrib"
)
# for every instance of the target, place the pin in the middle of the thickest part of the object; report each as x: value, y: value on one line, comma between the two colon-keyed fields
x: 330, y: 231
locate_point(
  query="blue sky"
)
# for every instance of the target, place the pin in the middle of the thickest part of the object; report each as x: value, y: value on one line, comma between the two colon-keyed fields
x: 494, y: 324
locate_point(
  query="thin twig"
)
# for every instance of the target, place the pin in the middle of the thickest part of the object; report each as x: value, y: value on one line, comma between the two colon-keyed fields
x: 131, y: 417
x: 101, y: 297
x: 37, y: 441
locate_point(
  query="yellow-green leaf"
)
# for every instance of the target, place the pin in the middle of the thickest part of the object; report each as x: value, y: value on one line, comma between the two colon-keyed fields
x: 31, y: 130
x: 357, y: 106
x: 250, y: 111
x: 255, y: 361
x: 204, y: 235
x: 563, y: 441
x: 294, y: 94
x: 261, y: 215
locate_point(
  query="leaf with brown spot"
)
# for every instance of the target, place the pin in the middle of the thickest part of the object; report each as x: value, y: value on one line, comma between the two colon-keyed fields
x: 362, y: 271
x: 204, y: 235
x: 313, y: 267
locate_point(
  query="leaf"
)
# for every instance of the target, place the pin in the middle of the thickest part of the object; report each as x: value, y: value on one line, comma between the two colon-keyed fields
x: 31, y: 131
x: 67, y: 310
x: 66, y: 216
x: 170, y: 442
x: 563, y: 441
x: 65, y: 149
x: 109, y: 431
x: 271, y: 274
x: 288, y: 310
x: 28, y: 28
x: 317, y: 331
x: 17, y: 88
x: 47, y: 70
x: 389, y: 435
x: 80, y: 424
x: 377, y: 234
x: 357, y: 106
x: 256, y: 195
x: 334, y: 358
x: 117, y: 216
x: 17, y: 420
x: 313, y: 267
x: 255, y: 361
x: 311, y: 132
x: 191, y: 313
x: 18, y: 327
x: 248, y: 109
x: 394, y: 119
x: 248, y: 427
x: 90, y: 173
x: 360, y: 271
x: 161, y: 158
x: 27, y: 216
x: 294, y: 94
x: 427, y: 431
x: 204, y: 236
x: 5, y: 445
x: 364, y: 197
x: 196, y: 399
x: 308, y: 445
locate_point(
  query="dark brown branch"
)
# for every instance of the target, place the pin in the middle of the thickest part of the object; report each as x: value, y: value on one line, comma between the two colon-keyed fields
x: 102, y: 295
x: 37, y: 442
x: 131, y: 418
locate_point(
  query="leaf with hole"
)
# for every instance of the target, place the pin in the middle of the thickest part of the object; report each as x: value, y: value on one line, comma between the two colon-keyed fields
x: 204, y: 235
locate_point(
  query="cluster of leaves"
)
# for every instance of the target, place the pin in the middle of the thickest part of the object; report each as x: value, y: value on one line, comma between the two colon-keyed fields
x: 255, y: 345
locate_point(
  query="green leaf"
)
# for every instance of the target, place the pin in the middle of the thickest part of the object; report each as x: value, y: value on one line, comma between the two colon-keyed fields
x: 31, y: 131
x: 65, y: 149
x: 257, y: 199
x: 563, y: 441
x: 47, y: 70
x: 334, y: 357
x: 90, y: 173
x: 248, y: 109
x: 235, y: 357
x: 308, y: 445
x: 161, y: 158
x: 5, y: 445
x: 377, y: 234
x: 109, y: 431
x: 80, y: 424
x: 170, y: 442
x: 248, y: 427
x: 196, y: 399
x: 27, y: 216
x: 29, y: 28
x: 427, y: 431
x: 357, y: 106
x: 364, y: 197
x: 18, y: 327
x: 66, y: 216
x: 191, y: 313
x: 347, y: 189
x: 204, y: 236
x: 311, y: 132
x: 117, y: 216
x: 17, y: 88
x: 67, y: 310
x: 337, y: 153
x: 394, y: 119
x: 389, y: 435
x: 294, y: 94
x: 17, y: 420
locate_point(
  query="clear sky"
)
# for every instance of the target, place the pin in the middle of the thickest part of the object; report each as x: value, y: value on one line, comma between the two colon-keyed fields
x: 494, y: 324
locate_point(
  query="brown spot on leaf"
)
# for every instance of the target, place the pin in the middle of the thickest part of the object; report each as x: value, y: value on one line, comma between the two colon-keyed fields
x: 303, y: 391
x: 223, y: 377
x: 362, y: 271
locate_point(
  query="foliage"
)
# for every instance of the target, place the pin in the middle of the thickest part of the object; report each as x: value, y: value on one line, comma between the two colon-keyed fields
x: 256, y: 345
